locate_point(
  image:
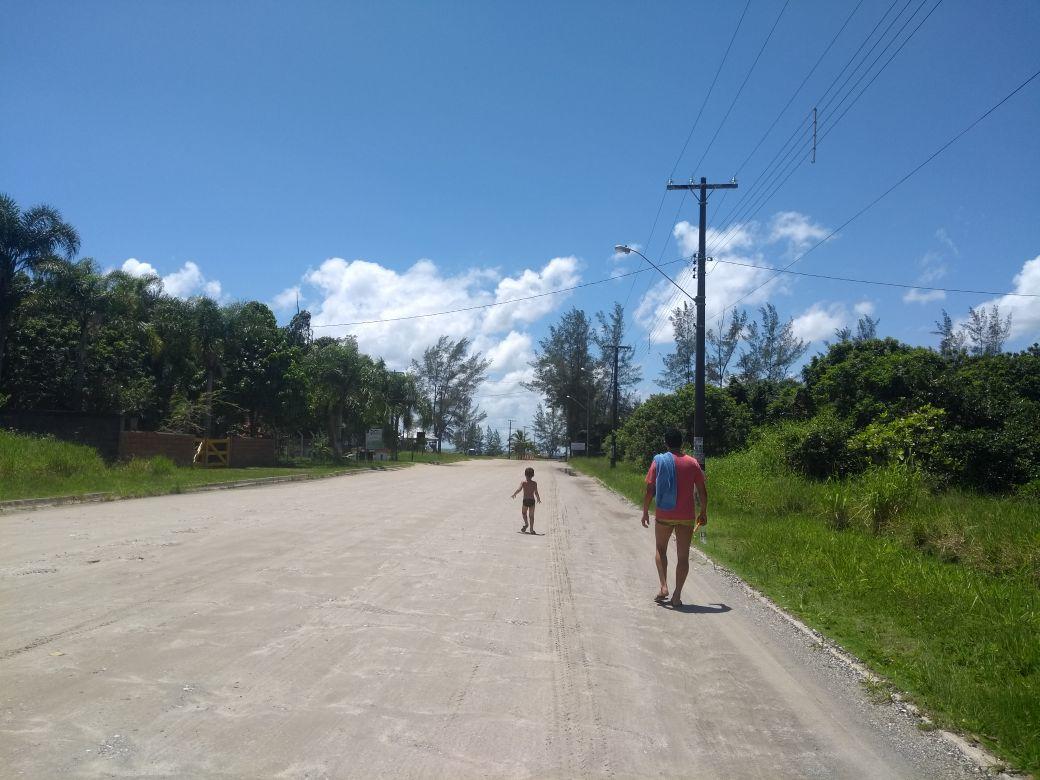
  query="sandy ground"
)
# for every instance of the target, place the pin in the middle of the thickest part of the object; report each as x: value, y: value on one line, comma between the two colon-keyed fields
x: 397, y: 625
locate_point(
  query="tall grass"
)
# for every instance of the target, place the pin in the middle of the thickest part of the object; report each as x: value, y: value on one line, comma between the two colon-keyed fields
x: 32, y: 467
x: 939, y: 593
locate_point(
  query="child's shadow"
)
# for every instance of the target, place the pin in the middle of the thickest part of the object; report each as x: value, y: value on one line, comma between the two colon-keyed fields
x: 698, y: 609
x: 527, y: 534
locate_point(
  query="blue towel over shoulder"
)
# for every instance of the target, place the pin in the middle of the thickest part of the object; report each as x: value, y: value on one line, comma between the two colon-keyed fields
x: 666, y: 486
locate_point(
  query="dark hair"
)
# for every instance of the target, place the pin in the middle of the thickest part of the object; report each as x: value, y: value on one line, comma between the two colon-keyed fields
x: 529, y: 472
x: 673, y: 438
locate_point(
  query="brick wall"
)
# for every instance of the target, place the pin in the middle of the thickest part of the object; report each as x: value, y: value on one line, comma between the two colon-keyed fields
x: 178, y: 447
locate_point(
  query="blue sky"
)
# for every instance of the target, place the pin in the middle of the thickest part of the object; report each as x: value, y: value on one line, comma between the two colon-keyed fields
x: 390, y: 158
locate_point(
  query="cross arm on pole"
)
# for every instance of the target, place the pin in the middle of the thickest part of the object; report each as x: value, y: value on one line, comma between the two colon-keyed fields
x: 730, y: 185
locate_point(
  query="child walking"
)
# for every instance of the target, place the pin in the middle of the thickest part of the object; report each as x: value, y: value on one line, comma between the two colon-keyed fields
x: 530, y: 488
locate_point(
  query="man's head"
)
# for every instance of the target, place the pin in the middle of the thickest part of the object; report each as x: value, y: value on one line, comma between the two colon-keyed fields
x: 529, y: 472
x: 673, y: 438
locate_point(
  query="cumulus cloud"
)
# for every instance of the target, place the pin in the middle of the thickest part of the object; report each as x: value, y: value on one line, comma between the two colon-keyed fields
x: 819, y: 321
x: 1025, y: 312
x: 741, y: 244
x: 923, y: 296
x: 348, y: 295
x: 286, y: 299
x: 795, y: 228
x: 183, y: 283
x: 558, y: 273
x: 864, y: 308
x: 511, y: 354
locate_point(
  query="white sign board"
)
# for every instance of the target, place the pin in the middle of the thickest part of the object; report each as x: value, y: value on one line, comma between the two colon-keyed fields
x: 577, y: 446
x: 374, y: 439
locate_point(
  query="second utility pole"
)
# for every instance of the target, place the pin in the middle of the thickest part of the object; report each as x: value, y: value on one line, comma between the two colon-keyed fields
x: 698, y: 392
x: 613, y: 425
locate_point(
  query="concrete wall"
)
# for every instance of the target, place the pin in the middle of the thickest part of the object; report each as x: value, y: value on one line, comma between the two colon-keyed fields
x: 100, y: 431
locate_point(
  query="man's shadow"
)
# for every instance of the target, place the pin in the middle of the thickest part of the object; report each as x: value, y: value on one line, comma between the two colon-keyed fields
x: 534, y: 534
x: 698, y: 609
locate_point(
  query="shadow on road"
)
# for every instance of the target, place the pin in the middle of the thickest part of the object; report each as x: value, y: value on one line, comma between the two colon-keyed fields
x: 697, y: 609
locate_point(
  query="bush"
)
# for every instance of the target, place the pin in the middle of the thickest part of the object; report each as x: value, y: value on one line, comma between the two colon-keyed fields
x: 159, y: 466
x: 642, y: 435
x: 818, y: 448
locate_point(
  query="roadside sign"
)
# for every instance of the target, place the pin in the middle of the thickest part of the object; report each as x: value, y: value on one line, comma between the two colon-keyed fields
x: 577, y: 446
x: 374, y: 439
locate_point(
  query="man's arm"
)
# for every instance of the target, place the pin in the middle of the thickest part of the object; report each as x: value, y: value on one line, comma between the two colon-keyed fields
x: 648, y: 496
x: 702, y: 495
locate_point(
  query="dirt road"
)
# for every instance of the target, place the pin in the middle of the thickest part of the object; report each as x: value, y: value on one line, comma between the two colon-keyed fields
x: 397, y: 625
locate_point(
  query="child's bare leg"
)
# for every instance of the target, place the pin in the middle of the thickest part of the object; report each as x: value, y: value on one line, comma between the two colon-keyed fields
x: 530, y: 512
x: 523, y: 512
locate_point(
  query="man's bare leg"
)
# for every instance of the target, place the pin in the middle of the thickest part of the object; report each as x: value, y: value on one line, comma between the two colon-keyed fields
x: 530, y: 514
x: 662, y: 534
x: 683, y: 538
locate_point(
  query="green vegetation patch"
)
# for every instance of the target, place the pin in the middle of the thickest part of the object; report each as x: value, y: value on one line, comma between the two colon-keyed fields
x: 44, y: 468
x: 938, y: 593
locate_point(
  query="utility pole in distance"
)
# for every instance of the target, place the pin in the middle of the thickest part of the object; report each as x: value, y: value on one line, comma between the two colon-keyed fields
x: 698, y: 413
x: 613, y: 425
x: 509, y: 442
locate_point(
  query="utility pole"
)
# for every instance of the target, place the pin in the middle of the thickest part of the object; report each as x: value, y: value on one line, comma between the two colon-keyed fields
x: 509, y: 442
x: 698, y: 414
x: 613, y: 424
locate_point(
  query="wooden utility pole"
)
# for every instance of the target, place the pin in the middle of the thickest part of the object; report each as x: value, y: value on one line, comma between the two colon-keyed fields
x: 702, y: 188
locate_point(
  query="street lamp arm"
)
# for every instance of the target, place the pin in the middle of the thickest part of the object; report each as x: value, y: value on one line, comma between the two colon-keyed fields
x: 628, y: 250
x: 579, y: 403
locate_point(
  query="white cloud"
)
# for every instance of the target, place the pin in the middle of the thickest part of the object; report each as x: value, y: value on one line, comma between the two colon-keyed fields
x: 818, y: 321
x: 135, y: 267
x: 795, y: 228
x: 943, y: 237
x: 513, y: 353
x: 183, y: 283
x: 286, y: 300
x: 726, y: 282
x: 1025, y: 312
x: 923, y: 296
x: 558, y: 273
x: 864, y: 308
x: 358, y: 291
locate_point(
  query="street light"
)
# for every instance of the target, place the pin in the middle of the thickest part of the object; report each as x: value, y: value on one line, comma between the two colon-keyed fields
x: 698, y: 412
x: 586, y: 408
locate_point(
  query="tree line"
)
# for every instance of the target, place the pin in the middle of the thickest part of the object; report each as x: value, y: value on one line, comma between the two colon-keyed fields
x: 75, y: 337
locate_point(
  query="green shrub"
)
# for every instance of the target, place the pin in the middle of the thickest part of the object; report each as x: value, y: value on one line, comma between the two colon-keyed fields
x: 818, y: 448
x: 159, y: 466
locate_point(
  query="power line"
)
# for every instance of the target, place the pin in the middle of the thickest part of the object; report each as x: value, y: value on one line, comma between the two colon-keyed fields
x: 696, y: 121
x: 878, y: 281
x: 493, y: 303
x: 887, y: 192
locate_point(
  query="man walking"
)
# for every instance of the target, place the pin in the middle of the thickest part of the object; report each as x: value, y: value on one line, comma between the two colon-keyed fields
x: 673, y: 482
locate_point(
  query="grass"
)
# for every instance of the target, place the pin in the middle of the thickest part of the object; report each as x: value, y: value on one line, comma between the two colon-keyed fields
x: 940, y: 594
x: 43, y: 468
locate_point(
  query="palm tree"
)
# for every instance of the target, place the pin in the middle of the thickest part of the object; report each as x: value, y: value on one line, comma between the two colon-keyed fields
x: 521, y: 444
x: 27, y: 240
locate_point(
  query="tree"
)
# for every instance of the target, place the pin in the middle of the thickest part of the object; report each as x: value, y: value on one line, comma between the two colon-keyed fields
x: 549, y: 428
x: 985, y: 331
x: 866, y: 329
x: 680, y: 366
x: 521, y: 444
x: 951, y: 340
x: 722, y: 344
x: 772, y: 349
x: 565, y: 367
x: 336, y: 374
x: 492, y: 442
x: 466, y: 434
x: 26, y: 241
x: 611, y: 331
x: 447, y: 377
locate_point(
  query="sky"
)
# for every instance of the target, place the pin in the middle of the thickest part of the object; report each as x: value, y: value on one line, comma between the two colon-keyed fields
x: 382, y: 160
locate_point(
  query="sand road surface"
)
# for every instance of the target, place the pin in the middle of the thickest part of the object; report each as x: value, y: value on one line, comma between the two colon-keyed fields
x: 396, y: 624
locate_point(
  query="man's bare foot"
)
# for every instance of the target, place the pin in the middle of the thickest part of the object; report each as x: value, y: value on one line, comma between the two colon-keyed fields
x: 662, y: 596
x: 524, y: 529
x: 676, y: 601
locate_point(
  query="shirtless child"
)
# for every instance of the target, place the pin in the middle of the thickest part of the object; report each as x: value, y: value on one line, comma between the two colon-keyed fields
x: 530, y: 488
